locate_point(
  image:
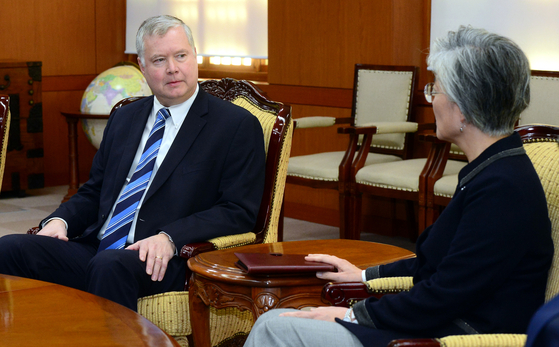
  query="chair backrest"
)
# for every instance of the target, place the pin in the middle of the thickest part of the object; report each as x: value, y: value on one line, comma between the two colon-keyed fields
x: 542, y: 146
x: 4, y: 129
x: 544, y: 103
x: 277, y: 126
x: 381, y: 94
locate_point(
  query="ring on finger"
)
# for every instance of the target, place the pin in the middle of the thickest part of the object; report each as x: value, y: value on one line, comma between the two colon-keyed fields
x: 158, y: 257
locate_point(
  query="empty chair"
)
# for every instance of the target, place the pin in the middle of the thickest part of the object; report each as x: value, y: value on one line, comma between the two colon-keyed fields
x: 382, y: 102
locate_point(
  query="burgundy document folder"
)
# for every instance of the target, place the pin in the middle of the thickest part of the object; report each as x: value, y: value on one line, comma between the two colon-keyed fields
x: 278, y: 263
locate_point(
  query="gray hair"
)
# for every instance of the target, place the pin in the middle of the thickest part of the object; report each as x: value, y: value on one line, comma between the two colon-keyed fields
x: 486, y: 75
x: 159, y: 25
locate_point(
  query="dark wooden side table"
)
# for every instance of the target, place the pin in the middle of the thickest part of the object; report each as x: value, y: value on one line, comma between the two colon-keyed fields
x: 217, y: 282
x: 36, y: 313
x: 72, y: 118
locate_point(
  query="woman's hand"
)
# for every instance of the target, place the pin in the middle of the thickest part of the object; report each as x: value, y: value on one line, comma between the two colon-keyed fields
x: 347, y: 272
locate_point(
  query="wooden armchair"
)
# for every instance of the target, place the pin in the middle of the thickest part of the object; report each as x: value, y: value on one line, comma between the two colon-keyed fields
x: 4, y: 130
x: 170, y: 311
x: 542, y: 146
x: 382, y: 103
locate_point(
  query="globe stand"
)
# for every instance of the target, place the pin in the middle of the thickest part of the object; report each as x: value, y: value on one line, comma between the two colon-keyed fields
x: 72, y: 119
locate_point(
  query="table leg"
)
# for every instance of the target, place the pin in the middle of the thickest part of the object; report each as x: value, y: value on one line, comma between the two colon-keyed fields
x: 73, y: 157
x: 201, y: 324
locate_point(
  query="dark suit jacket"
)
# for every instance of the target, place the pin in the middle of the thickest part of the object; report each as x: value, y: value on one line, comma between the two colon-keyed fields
x: 543, y: 330
x: 210, y: 183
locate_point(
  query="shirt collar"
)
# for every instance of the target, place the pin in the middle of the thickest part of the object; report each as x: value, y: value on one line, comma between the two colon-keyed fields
x: 178, y: 112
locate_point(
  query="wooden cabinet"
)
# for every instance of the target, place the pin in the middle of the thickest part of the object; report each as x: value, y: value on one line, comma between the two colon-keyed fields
x: 24, y: 160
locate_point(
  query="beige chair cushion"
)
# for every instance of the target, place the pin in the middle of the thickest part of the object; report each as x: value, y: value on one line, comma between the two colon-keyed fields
x: 383, y: 96
x: 446, y: 185
x: 401, y: 175
x: 544, y: 103
x: 325, y: 166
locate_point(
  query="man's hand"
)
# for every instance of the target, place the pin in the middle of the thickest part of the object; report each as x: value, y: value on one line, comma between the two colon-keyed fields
x: 155, y: 251
x: 347, y: 272
x: 326, y: 313
x: 55, y: 228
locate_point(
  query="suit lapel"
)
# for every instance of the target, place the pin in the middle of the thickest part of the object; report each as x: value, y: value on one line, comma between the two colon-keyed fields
x: 189, y: 131
x: 132, y: 141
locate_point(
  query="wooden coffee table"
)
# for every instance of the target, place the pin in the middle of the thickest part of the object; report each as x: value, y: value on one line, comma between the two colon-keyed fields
x: 217, y: 282
x: 35, y: 313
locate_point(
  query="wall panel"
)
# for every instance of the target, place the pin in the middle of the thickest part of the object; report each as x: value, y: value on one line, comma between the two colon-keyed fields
x: 60, y: 33
x: 313, y: 47
x: 317, y: 42
x: 110, y: 34
x: 75, y: 41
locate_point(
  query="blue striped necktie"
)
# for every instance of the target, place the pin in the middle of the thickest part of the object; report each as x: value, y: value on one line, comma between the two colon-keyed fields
x: 119, y: 226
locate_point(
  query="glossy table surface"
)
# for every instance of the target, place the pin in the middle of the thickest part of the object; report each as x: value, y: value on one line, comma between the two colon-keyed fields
x: 220, y: 265
x: 35, y: 313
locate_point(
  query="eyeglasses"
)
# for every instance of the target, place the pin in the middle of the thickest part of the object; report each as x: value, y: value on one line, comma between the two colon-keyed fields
x: 429, y: 91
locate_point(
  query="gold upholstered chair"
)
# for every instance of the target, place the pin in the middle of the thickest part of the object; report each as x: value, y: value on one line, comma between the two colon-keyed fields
x: 4, y: 130
x: 541, y: 143
x: 170, y: 311
x: 382, y: 103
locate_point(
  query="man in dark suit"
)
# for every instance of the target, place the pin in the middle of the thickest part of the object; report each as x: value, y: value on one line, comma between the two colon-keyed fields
x: 205, y: 180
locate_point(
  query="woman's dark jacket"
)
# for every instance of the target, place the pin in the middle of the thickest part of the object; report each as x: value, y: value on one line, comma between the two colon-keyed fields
x: 483, y: 265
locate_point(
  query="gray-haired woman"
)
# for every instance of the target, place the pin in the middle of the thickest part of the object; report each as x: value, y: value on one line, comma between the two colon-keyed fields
x: 482, y: 267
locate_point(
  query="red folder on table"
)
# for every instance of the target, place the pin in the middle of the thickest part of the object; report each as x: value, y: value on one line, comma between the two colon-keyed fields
x: 278, y: 263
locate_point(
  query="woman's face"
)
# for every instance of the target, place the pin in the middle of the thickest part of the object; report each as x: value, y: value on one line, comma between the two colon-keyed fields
x: 448, y: 116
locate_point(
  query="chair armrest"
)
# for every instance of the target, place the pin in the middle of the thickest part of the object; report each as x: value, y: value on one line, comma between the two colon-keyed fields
x: 192, y: 249
x: 381, y: 128
x: 319, y: 122
x: 344, y: 294
x: 33, y: 231
x: 389, y: 285
x: 475, y: 340
x: 314, y: 122
x: 233, y: 240
x: 415, y: 343
x: 347, y: 293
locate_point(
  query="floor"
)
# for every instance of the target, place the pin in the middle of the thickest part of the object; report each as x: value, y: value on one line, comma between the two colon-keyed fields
x: 18, y: 214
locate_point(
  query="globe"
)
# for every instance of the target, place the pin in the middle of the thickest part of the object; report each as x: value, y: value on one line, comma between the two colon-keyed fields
x: 108, y: 88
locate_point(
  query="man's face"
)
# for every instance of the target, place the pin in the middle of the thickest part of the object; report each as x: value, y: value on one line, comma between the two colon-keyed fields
x: 171, y: 68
